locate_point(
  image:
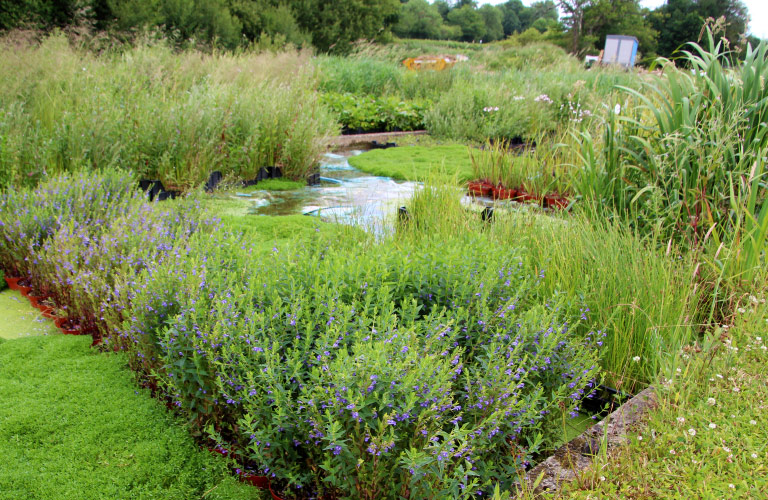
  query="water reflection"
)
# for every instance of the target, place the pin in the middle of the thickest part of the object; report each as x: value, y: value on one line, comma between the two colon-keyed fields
x: 353, y: 197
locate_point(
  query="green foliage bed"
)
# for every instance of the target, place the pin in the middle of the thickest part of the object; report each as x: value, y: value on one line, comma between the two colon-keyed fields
x: 417, y: 163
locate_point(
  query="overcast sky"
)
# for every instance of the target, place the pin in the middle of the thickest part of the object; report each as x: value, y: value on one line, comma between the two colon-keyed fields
x: 758, y: 12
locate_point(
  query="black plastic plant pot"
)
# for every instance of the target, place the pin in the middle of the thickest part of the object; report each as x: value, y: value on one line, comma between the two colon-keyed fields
x: 402, y: 215
x: 382, y: 145
x: 167, y: 195
x: 151, y: 187
x: 213, y: 181
x: 605, y: 400
x: 155, y: 189
x: 274, y: 172
x: 313, y: 179
x: 263, y: 174
x: 487, y: 214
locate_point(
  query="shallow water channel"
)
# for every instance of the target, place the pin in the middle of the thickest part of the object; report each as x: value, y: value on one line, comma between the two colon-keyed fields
x: 345, y: 195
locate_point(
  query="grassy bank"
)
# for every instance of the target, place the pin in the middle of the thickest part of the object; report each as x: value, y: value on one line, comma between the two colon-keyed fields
x: 76, y: 427
x: 707, y: 438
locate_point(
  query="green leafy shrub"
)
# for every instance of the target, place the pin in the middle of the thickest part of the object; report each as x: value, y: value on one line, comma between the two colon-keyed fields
x: 371, y: 114
x: 352, y: 357
x: 305, y: 360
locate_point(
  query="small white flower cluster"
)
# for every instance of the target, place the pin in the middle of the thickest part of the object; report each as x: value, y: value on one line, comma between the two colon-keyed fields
x: 543, y: 98
x: 490, y: 109
x: 518, y: 98
x: 576, y: 111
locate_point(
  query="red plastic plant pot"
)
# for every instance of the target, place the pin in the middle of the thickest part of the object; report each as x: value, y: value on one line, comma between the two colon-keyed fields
x: 43, y: 308
x: 13, y: 283
x: 555, y: 201
x: 260, y: 482
x: 487, y: 188
x: 475, y: 188
x: 37, y: 301
x: 560, y: 203
x: 507, y: 194
x: 527, y: 197
x: 69, y: 328
x: 24, y: 290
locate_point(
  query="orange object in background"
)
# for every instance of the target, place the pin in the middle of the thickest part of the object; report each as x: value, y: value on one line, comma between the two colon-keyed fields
x: 436, y: 63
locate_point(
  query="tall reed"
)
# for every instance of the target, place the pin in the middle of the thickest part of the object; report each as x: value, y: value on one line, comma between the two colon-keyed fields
x: 175, y: 117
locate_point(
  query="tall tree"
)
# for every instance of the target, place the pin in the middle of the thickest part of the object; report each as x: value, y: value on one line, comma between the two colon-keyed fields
x: 335, y: 25
x: 574, y: 19
x: 419, y: 19
x: 510, y: 21
x: 680, y: 21
x: 619, y: 17
x: 492, y: 17
x: 469, y: 20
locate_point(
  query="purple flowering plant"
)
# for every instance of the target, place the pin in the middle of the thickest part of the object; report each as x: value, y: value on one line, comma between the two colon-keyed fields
x: 355, y: 368
x: 348, y: 370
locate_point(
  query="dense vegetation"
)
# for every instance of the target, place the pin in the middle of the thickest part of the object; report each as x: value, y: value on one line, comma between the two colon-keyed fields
x: 336, y: 26
x: 178, y: 117
x: 432, y: 361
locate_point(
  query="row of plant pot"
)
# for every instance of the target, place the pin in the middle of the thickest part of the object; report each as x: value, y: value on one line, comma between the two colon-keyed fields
x: 500, y: 192
x: 48, y: 309
x: 156, y: 190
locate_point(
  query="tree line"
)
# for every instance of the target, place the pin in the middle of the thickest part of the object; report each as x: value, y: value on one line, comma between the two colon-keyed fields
x: 333, y: 26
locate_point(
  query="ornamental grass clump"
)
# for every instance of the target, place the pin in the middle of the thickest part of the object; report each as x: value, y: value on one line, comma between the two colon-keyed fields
x: 171, y: 116
x: 675, y: 155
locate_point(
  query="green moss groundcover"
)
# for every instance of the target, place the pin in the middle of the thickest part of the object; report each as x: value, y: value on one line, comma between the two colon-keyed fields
x: 74, y: 426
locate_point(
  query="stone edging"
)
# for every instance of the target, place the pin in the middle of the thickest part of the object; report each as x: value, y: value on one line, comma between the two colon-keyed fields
x: 345, y: 141
x: 578, y: 454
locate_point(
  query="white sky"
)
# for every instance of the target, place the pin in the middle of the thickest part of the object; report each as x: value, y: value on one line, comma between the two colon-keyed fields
x: 758, y: 11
